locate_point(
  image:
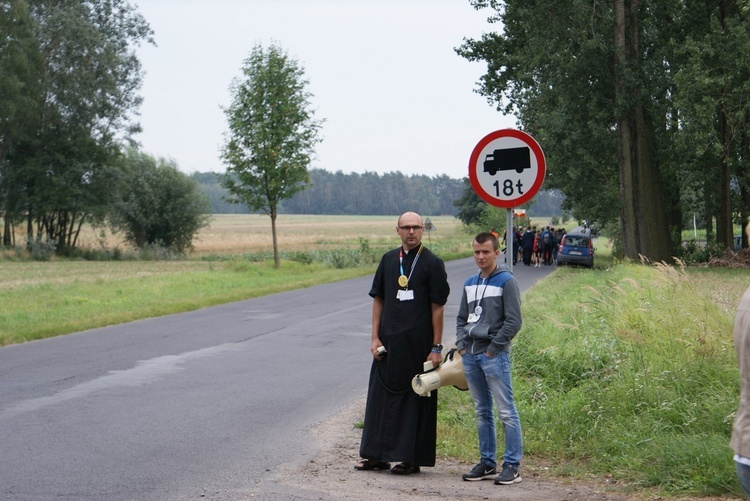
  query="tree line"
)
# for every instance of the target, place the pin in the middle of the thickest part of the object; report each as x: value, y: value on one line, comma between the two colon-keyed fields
x: 371, y: 193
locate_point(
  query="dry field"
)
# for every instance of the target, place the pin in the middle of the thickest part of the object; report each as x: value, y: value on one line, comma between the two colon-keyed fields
x: 251, y: 233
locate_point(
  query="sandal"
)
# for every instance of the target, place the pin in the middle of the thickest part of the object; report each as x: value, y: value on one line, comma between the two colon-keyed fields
x: 371, y: 464
x: 405, y: 469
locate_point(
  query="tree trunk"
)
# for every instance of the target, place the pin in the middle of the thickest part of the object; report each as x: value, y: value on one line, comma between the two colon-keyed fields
x: 673, y: 192
x: 624, y: 140
x: 724, y: 228
x: 645, y: 230
x: 29, y: 228
x: 745, y: 193
x: 743, y: 175
x: 654, y: 239
x: 60, y: 232
x: 7, y: 231
x: 276, y: 262
x: 724, y: 216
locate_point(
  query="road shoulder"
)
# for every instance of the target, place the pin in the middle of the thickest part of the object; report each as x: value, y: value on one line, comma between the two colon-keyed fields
x: 330, y: 475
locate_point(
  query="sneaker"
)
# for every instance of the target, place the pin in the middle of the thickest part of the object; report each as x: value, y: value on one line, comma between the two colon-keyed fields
x: 508, y: 476
x: 479, y: 472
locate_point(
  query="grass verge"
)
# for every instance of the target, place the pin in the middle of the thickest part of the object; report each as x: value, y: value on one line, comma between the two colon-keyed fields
x: 42, y: 299
x: 628, y: 373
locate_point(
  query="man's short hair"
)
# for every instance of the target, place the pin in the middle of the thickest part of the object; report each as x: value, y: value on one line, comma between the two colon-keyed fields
x: 484, y: 236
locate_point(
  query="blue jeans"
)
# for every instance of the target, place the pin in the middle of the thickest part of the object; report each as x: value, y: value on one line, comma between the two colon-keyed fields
x: 489, y: 377
x: 743, y: 475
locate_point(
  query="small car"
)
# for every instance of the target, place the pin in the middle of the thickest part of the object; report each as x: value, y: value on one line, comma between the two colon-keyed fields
x: 576, y: 248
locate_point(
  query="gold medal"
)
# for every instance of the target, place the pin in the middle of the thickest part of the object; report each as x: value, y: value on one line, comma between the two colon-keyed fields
x: 403, y: 281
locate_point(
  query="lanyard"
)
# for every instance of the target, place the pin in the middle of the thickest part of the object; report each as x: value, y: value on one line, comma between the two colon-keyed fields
x: 401, y: 262
x: 479, y: 301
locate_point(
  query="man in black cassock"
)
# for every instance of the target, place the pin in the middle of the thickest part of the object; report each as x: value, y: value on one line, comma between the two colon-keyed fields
x: 409, y: 291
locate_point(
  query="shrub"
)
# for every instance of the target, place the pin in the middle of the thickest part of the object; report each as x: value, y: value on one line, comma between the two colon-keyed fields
x: 159, y: 205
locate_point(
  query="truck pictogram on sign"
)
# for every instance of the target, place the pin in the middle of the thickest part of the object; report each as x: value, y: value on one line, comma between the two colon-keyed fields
x: 517, y: 159
x: 507, y: 168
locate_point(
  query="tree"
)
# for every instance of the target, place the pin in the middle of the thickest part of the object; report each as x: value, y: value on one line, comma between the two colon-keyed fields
x: 640, y: 106
x: 715, y: 127
x: 272, y: 133
x: 20, y: 63
x: 158, y: 204
x: 643, y: 216
x: 470, y: 205
x: 57, y: 171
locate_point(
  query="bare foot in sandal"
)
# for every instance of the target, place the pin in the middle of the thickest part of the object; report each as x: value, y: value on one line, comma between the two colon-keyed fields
x: 405, y: 469
x: 372, y: 464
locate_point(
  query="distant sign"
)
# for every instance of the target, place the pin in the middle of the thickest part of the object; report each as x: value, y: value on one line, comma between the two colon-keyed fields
x: 507, y: 168
x: 428, y: 225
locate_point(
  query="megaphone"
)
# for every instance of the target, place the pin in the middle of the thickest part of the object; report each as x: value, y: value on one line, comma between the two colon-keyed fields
x: 449, y: 373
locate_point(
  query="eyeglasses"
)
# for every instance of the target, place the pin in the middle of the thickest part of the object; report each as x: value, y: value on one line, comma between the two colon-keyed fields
x: 409, y: 228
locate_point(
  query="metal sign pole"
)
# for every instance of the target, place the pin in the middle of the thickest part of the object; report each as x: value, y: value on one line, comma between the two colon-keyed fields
x: 509, y: 237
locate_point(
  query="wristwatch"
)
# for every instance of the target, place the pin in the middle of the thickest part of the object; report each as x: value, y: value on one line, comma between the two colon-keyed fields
x: 437, y: 348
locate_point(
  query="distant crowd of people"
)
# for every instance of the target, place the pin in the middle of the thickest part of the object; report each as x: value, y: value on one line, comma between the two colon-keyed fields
x: 534, y: 247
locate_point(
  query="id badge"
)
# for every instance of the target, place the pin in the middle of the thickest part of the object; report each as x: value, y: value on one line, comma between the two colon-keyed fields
x: 473, y: 318
x: 405, y: 295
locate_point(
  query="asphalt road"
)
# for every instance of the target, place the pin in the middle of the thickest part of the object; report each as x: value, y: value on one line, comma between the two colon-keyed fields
x: 173, y: 407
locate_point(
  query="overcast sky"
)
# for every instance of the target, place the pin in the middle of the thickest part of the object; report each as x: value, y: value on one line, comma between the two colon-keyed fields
x: 383, y: 74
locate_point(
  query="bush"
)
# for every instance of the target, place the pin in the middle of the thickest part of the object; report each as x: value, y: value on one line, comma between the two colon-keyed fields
x: 42, y: 250
x: 159, y: 205
x: 693, y: 253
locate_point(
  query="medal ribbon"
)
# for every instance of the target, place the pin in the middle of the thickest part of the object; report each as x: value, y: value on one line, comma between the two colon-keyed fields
x: 401, y: 263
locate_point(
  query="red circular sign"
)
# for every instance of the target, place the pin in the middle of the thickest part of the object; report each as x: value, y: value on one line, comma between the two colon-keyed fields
x: 507, y: 168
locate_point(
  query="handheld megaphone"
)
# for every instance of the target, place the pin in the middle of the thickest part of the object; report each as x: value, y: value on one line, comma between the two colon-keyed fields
x: 449, y: 373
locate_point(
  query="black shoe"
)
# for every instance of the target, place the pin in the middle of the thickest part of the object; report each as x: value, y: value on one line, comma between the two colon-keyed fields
x: 479, y: 472
x: 508, y: 476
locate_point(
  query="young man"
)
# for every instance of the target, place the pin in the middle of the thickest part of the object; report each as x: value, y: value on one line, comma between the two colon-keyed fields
x: 409, y: 291
x: 489, y: 316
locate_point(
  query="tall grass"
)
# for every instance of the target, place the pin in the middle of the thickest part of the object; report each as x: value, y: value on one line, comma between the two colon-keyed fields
x: 629, y: 373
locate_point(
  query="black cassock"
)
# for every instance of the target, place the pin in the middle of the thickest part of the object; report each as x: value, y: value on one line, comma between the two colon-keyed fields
x: 399, y: 424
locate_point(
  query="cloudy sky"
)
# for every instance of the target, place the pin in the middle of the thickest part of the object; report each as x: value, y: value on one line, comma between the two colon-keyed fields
x: 383, y: 74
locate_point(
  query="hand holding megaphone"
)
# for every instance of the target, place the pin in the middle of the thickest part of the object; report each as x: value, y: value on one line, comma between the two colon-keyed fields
x: 450, y: 373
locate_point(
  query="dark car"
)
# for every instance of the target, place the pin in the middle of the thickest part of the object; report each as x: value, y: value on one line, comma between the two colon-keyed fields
x: 576, y: 248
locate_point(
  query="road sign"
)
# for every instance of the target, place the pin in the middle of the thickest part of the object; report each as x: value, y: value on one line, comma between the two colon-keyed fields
x: 507, y: 168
